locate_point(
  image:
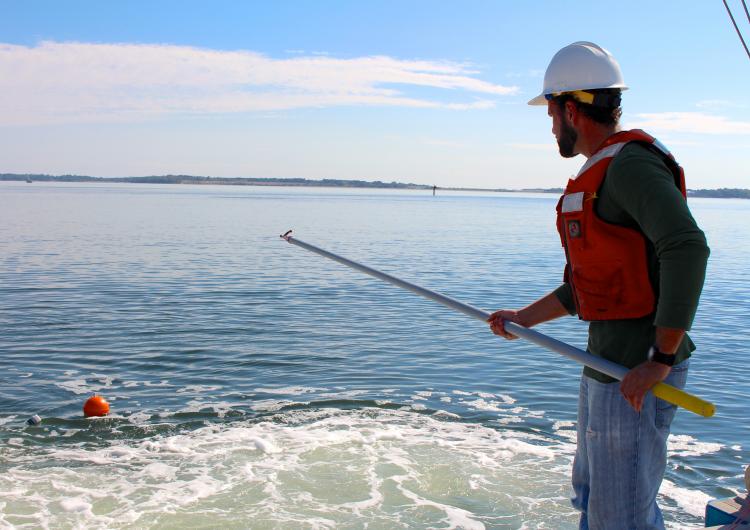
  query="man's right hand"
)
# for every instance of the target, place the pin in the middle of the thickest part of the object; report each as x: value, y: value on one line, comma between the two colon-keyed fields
x: 496, y: 322
x: 546, y: 308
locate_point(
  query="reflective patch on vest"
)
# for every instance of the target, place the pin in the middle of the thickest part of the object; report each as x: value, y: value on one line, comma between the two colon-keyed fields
x: 607, y: 152
x: 661, y: 147
x: 574, y: 229
x: 572, y: 202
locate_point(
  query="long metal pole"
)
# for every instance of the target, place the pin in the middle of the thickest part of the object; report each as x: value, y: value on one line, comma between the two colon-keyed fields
x: 664, y: 391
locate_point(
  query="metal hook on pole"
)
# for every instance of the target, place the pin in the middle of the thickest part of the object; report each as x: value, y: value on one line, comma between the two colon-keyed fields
x: 661, y: 390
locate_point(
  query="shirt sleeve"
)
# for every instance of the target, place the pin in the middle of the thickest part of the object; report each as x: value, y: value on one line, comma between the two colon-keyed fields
x: 564, y: 294
x: 643, y: 187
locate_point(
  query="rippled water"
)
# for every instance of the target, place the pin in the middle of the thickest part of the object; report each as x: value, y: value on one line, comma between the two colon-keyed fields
x: 256, y: 385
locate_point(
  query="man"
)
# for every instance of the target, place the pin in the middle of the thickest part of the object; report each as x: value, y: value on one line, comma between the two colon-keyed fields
x: 635, y: 267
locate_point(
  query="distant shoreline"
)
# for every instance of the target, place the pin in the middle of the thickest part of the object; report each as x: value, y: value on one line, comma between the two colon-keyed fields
x: 722, y: 193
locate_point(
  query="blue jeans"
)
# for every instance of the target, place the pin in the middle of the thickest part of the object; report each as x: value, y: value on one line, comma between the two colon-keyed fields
x: 621, y: 456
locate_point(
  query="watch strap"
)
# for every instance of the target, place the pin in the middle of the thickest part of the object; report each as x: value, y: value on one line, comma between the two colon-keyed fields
x: 657, y: 356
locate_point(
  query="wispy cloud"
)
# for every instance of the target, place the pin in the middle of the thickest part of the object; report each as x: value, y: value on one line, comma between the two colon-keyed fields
x: 670, y: 142
x: 690, y: 122
x: 528, y: 73
x: 54, y: 82
x: 546, y: 146
x: 715, y: 104
x: 439, y: 142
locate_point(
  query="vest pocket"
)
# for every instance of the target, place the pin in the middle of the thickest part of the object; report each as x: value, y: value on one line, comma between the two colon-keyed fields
x: 599, y: 287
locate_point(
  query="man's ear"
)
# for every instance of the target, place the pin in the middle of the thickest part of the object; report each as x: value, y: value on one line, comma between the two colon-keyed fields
x: 571, y: 111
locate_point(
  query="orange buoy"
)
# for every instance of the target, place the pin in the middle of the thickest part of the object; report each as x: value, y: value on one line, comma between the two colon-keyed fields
x: 95, y: 406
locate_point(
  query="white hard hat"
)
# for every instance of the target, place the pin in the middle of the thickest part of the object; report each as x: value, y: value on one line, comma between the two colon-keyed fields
x: 580, y: 66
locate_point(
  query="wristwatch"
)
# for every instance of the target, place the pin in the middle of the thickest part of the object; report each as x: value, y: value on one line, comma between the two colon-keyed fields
x: 657, y: 356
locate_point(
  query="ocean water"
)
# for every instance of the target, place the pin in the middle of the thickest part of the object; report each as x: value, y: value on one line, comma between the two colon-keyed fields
x: 256, y: 385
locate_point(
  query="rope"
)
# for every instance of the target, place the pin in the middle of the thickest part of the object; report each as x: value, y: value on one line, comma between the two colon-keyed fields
x: 739, y: 34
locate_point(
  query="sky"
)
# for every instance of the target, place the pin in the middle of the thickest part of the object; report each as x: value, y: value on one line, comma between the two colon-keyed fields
x: 428, y: 92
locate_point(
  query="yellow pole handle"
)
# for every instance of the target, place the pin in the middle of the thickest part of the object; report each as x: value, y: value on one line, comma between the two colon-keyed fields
x: 683, y: 399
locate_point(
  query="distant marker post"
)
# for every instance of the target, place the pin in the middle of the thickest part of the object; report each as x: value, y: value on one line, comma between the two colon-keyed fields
x: 661, y: 390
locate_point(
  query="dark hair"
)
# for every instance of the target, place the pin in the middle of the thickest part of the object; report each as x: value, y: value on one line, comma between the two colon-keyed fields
x: 607, y: 114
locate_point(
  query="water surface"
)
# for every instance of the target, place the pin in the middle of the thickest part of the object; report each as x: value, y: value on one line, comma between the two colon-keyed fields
x: 255, y: 384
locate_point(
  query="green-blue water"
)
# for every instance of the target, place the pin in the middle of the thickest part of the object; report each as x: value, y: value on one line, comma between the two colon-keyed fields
x: 254, y: 384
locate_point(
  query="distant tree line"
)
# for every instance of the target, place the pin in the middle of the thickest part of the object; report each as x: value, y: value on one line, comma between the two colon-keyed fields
x: 724, y: 193
x: 240, y: 181
x: 721, y: 193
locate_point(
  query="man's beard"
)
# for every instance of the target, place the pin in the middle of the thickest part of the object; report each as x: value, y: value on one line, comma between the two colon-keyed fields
x: 567, y: 140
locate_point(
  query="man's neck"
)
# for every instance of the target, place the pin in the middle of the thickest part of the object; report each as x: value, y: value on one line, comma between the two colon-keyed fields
x: 592, y: 136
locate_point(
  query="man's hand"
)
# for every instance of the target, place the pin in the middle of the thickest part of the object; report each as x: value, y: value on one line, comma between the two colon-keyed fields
x: 496, y: 322
x: 640, y: 379
x: 546, y: 308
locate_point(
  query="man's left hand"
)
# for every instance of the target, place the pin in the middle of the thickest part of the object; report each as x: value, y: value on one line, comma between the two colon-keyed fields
x: 640, y: 379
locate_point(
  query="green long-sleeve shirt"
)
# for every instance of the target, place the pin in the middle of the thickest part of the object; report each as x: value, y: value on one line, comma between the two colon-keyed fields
x: 639, y: 192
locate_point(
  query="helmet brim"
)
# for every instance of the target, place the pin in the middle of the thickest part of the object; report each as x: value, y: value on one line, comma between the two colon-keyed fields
x: 541, y: 99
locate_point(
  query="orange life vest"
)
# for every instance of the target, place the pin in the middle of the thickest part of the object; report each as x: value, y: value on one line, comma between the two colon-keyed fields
x: 607, y: 264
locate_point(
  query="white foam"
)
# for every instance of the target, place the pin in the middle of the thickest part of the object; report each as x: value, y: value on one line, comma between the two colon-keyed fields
x: 339, y: 468
x: 291, y: 390
x: 265, y: 445
x: 199, y: 388
x: 139, y: 418
x: 387, y: 434
x: 77, y: 386
x: 685, y: 445
x: 219, y: 408
x: 78, y: 504
x: 162, y: 383
x: 692, y: 501
x: 481, y: 404
x: 159, y: 471
x: 446, y: 414
x: 94, y: 383
x: 345, y: 394
x: 70, y: 432
x: 566, y: 429
x: 454, y: 517
x: 7, y: 419
x: 503, y: 398
x: 270, y: 405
